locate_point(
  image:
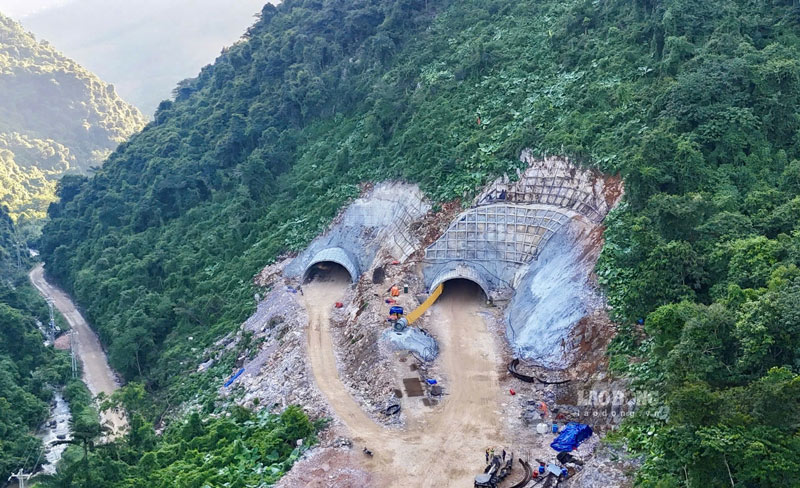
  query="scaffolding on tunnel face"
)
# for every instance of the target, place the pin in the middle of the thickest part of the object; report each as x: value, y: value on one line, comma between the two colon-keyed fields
x: 557, y: 183
x: 509, y: 233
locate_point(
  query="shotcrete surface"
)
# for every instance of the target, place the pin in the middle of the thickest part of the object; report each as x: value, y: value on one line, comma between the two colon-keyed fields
x: 380, y: 218
x: 554, y: 295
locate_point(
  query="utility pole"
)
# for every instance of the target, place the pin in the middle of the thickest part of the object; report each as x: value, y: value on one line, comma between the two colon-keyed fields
x: 72, y: 354
x: 52, y: 322
x: 16, y: 241
x: 21, y: 477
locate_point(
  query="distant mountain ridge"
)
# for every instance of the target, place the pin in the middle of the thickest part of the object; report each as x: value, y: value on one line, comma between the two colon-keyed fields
x: 143, y: 47
x: 55, y: 117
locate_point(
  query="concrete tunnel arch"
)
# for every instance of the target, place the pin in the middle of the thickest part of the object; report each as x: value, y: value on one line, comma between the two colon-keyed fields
x: 334, y: 255
x: 463, y: 273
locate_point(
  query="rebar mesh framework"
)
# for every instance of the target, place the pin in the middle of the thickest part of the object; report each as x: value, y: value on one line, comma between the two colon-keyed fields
x: 552, y: 182
x: 499, y: 232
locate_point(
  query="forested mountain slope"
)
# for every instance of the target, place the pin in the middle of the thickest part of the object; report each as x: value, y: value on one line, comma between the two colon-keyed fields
x: 695, y: 103
x: 55, y: 117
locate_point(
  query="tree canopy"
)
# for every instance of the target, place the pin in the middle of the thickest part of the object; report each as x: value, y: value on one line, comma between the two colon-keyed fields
x: 694, y: 103
x: 55, y: 118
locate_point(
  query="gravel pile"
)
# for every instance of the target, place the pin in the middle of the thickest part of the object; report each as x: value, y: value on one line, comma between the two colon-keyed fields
x: 277, y: 375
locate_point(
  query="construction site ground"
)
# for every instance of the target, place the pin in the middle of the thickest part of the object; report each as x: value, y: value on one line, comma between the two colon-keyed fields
x: 438, y: 443
x: 338, y: 362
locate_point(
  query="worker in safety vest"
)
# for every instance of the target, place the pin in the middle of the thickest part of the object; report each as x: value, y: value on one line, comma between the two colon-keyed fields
x: 395, y: 291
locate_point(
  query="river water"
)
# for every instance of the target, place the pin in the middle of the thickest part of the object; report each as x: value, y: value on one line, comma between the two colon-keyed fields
x: 97, y: 375
x: 56, y: 428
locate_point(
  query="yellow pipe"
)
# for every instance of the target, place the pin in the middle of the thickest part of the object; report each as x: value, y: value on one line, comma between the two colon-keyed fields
x: 417, y: 313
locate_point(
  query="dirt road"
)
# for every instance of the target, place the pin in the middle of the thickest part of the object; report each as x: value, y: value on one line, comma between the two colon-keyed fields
x: 97, y: 373
x: 445, y: 446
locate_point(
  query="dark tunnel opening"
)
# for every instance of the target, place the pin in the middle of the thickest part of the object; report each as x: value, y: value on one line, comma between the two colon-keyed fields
x: 327, y: 271
x: 463, y: 289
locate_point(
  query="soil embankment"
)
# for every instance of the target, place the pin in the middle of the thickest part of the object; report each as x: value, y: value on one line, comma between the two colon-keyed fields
x: 441, y: 447
x: 97, y: 374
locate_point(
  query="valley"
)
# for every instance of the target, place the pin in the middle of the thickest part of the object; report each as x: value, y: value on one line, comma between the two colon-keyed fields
x: 381, y: 243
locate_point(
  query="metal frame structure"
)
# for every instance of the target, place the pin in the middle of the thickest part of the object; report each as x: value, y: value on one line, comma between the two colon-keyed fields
x: 559, y: 184
x: 499, y: 232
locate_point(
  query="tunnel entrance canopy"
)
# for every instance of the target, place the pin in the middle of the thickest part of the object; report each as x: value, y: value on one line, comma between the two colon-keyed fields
x: 461, y: 273
x: 335, y: 255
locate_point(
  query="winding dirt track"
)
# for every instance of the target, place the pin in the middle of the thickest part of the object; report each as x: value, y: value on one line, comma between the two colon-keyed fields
x: 442, y: 447
x: 97, y: 373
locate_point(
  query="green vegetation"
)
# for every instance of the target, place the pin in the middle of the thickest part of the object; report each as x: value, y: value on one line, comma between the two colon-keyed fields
x: 28, y: 369
x: 55, y: 118
x: 694, y: 102
x: 235, y: 448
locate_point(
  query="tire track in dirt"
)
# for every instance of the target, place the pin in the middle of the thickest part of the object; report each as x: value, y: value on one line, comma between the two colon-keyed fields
x: 445, y: 446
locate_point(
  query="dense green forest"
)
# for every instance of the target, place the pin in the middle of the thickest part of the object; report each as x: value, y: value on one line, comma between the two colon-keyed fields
x: 694, y: 103
x: 55, y: 118
x: 235, y: 448
x: 28, y: 369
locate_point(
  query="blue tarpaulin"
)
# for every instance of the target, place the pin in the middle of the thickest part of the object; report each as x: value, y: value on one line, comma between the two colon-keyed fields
x: 233, y: 378
x: 571, y: 437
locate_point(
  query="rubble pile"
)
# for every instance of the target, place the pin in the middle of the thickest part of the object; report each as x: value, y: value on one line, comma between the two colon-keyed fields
x: 367, y: 362
x: 326, y: 467
x: 277, y: 375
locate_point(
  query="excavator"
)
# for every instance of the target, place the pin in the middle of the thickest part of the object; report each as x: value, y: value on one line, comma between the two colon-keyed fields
x: 498, y: 469
x: 400, y: 323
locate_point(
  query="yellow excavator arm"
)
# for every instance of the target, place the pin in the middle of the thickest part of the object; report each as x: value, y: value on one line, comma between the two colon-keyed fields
x: 417, y: 313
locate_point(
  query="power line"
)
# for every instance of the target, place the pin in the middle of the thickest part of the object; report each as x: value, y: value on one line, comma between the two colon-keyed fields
x: 32, y: 449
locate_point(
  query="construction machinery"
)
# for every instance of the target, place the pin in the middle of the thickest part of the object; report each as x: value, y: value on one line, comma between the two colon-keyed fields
x: 417, y: 313
x: 400, y: 323
x: 496, y: 471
